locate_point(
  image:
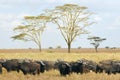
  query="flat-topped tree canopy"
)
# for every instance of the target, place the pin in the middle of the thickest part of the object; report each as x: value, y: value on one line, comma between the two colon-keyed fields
x: 37, y: 17
x: 43, y: 17
x: 29, y: 17
x: 71, y: 20
x: 19, y: 36
x: 94, y: 37
x: 70, y: 7
x: 20, y: 27
x: 32, y: 29
x: 95, y: 41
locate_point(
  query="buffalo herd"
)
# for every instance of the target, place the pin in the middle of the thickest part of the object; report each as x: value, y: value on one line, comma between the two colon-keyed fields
x: 28, y: 66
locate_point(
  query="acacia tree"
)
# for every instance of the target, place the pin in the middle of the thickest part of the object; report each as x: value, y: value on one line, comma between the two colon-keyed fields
x: 71, y: 20
x: 95, y: 41
x: 32, y: 29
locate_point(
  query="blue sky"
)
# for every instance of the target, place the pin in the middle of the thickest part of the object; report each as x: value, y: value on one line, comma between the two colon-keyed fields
x: 107, y: 16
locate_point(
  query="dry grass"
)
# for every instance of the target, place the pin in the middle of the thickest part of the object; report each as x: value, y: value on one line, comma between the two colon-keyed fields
x: 65, y: 56
x: 54, y: 75
x: 61, y: 50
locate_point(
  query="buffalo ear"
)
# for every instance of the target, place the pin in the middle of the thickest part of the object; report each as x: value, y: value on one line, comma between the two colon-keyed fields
x: 84, y: 63
x: 60, y: 60
x: 67, y: 64
x: 57, y: 61
x: 43, y: 64
x: 80, y: 61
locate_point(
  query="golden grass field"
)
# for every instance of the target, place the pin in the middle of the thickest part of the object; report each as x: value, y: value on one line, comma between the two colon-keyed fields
x: 52, y: 55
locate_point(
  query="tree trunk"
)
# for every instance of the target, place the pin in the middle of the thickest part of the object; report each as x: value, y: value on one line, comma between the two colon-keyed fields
x: 96, y: 49
x: 39, y: 47
x: 69, y: 47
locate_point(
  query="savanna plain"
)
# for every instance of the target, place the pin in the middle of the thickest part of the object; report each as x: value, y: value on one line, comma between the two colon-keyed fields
x: 54, y: 54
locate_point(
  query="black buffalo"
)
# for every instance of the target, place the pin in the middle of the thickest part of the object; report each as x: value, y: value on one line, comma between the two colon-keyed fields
x: 42, y: 66
x: 106, y: 65
x: 115, y: 67
x: 1, y: 61
x: 11, y: 65
x: 49, y: 65
x: 77, y: 67
x: 110, y: 66
x: 29, y: 68
x: 0, y: 68
x: 99, y: 69
x: 92, y: 66
x: 63, y: 67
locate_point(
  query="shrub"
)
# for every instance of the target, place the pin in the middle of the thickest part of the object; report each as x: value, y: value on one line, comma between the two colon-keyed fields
x: 79, y: 47
x: 58, y: 47
x: 50, y: 47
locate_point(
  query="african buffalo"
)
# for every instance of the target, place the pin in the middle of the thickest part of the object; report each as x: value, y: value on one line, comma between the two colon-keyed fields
x: 99, y: 69
x: 49, y: 65
x: 76, y: 67
x: 42, y: 66
x: 110, y: 66
x: 115, y: 67
x: 63, y: 67
x: 11, y: 65
x: 0, y: 68
x: 91, y: 65
x: 29, y: 67
x: 1, y: 61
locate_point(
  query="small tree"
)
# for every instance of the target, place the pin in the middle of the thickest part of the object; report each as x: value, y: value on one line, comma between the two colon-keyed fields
x: 50, y: 47
x: 107, y: 47
x: 32, y: 29
x: 71, y: 20
x: 58, y: 47
x: 95, y: 41
x: 79, y: 47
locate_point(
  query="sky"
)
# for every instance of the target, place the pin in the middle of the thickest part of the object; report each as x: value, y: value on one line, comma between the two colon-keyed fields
x: 107, y: 16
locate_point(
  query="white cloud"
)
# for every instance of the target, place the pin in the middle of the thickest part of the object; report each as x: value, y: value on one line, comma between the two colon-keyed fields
x: 50, y: 1
x: 12, y: 12
x: 9, y: 21
x: 115, y: 25
x: 97, y: 18
x: 60, y: 1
